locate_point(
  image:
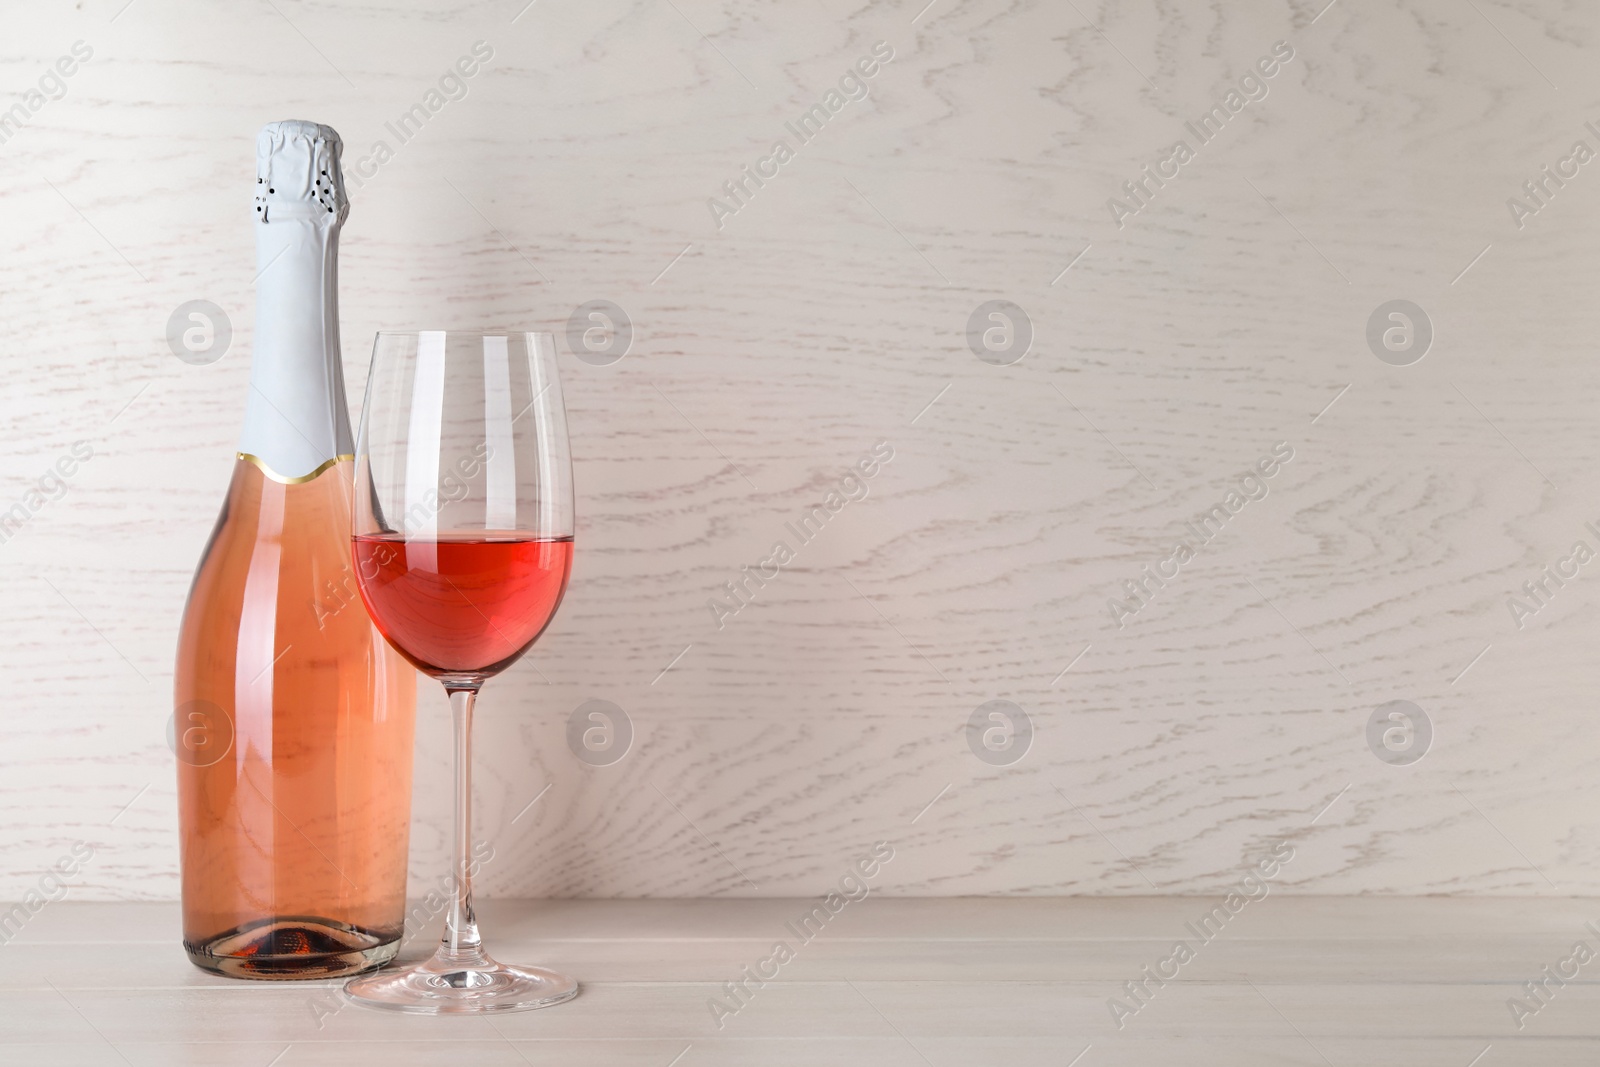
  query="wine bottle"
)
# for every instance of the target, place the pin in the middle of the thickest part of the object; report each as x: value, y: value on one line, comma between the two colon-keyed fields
x: 294, y: 718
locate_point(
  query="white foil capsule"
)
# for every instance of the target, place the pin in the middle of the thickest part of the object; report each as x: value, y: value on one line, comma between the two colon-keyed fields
x: 297, y: 421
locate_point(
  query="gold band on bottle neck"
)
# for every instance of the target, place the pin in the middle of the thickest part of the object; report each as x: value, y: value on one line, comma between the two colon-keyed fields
x: 284, y: 479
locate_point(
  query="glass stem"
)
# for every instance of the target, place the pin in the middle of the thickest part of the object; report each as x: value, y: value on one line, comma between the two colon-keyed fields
x: 460, y: 944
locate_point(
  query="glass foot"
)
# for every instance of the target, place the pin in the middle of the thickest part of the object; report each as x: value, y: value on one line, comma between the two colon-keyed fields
x: 443, y: 986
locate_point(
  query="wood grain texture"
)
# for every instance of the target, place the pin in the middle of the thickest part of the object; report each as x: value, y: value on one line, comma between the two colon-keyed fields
x: 1292, y: 980
x: 828, y: 314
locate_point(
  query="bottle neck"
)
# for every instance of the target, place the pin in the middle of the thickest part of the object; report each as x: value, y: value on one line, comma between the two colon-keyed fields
x: 297, y: 422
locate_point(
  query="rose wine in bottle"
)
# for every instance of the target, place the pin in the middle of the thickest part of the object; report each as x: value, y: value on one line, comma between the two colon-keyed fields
x: 293, y: 722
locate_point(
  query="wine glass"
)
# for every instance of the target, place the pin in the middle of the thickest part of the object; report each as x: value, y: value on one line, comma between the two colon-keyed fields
x: 462, y: 543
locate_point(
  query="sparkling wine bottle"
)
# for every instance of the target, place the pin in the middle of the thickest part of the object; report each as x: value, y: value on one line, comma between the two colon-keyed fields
x: 293, y: 722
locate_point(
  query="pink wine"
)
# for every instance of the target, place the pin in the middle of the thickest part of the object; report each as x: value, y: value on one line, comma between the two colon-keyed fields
x: 293, y: 726
x: 465, y: 603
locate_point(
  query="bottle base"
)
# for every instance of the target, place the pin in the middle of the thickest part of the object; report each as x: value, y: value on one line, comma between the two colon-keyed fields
x: 293, y: 948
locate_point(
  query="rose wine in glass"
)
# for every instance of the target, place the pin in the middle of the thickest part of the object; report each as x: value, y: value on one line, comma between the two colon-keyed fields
x: 462, y: 544
x: 293, y: 718
x: 465, y: 602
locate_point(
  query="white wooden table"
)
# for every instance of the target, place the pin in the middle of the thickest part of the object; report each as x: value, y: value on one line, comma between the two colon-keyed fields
x: 889, y: 982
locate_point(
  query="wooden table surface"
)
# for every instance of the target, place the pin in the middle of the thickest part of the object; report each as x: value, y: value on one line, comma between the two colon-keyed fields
x: 888, y: 982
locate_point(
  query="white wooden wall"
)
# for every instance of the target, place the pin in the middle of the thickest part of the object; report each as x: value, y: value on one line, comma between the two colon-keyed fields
x: 830, y: 313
